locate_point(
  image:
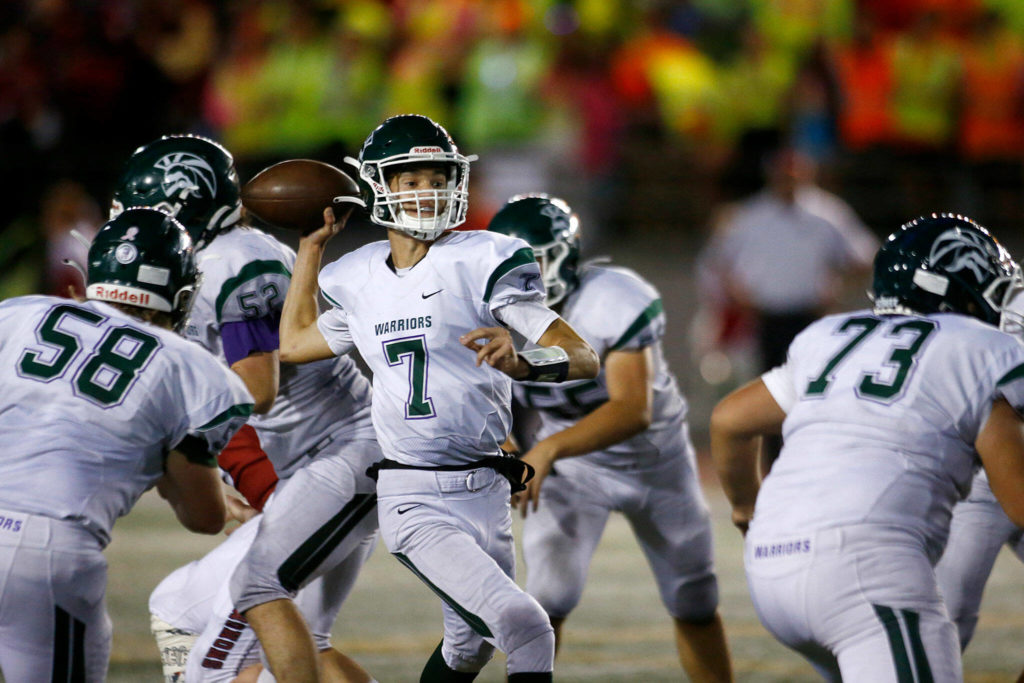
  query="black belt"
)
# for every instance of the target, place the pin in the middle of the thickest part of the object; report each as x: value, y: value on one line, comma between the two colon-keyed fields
x: 516, y: 471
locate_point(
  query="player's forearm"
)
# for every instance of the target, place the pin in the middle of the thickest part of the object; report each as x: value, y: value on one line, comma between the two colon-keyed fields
x: 734, y: 451
x: 300, y: 306
x: 261, y: 373
x: 738, y: 423
x: 583, y: 360
x: 735, y: 460
x: 300, y: 311
x: 1000, y: 444
x: 194, y: 493
x: 610, y: 423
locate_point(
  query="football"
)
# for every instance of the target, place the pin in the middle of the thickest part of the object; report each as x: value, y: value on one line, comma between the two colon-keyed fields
x: 293, y: 194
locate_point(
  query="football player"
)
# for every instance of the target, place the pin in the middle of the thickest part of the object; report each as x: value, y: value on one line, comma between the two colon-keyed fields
x: 410, y: 304
x: 621, y: 442
x: 882, y: 412
x: 980, y: 528
x: 101, y: 401
x: 313, y: 422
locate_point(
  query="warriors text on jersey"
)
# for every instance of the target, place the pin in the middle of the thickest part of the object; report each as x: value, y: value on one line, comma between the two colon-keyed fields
x: 245, y: 276
x: 432, y: 405
x: 613, y: 309
x: 882, y: 413
x: 93, y: 401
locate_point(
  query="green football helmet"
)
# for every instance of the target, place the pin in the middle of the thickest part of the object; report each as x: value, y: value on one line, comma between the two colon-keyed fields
x: 191, y: 177
x: 551, y: 227
x: 944, y: 262
x: 406, y: 141
x: 143, y: 257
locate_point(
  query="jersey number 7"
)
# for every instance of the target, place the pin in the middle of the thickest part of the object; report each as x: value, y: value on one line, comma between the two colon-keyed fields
x: 413, y: 350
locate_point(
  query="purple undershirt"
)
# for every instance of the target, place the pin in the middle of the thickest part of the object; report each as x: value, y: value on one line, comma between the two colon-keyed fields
x: 245, y: 337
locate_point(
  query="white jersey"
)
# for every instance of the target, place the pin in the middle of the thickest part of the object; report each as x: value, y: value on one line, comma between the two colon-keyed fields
x: 981, y: 490
x: 93, y: 401
x: 613, y: 309
x: 245, y: 276
x: 432, y: 405
x: 882, y: 413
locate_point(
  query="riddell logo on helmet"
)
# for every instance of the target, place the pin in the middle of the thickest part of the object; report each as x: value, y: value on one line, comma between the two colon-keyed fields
x: 113, y: 293
x: 426, y: 150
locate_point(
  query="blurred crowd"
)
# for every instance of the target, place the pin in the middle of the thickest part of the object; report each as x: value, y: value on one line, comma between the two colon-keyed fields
x: 645, y: 114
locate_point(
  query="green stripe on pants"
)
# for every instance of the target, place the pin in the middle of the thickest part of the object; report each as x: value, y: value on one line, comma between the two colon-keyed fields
x: 475, y: 622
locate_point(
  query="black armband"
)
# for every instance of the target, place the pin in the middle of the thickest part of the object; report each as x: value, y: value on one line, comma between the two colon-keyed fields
x: 546, y: 364
x: 196, y: 451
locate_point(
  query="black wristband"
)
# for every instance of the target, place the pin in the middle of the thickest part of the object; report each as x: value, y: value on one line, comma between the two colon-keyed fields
x: 546, y: 364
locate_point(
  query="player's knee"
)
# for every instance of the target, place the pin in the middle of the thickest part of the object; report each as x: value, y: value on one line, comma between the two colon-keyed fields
x: 523, y: 622
x: 695, y: 602
x: 174, y: 645
x: 251, y: 587
x: 558, y: 598
x: 536, y: 654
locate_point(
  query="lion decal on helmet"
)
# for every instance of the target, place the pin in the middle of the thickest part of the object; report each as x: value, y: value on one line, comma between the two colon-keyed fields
x: 186, y: 175
x: 958, y: 250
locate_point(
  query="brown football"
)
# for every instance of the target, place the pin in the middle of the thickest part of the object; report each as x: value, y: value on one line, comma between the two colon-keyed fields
x: 293, y: 194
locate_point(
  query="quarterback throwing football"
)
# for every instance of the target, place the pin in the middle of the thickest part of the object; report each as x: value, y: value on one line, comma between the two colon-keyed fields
x: 430, y: 310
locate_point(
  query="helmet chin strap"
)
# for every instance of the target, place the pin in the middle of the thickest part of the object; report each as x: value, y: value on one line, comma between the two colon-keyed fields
x: 421, y: 228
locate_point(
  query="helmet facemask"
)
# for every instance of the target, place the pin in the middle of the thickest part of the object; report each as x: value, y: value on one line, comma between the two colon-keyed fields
x: 551, y: 258
x: 184, y: 299
x: 421, y: 213
x: 552, y: 230
x: 1011, y: 310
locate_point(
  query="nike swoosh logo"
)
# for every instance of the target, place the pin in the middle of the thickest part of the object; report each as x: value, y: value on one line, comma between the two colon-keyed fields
x: 427, y: 296
x: 402, y: 511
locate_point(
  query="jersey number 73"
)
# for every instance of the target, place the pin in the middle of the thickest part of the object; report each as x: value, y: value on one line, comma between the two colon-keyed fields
x: 901, y: 356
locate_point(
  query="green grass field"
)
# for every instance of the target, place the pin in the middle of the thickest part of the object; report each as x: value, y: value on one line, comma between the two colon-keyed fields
x: 391, y: 622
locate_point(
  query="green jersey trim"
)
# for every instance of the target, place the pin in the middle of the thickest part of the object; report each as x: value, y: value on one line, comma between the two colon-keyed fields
x: 251, y: 270
x: 653, y: 310
x: 330, y: 300
x: 522, y: 257
x: 1015, y: 373
x: 239, y: 410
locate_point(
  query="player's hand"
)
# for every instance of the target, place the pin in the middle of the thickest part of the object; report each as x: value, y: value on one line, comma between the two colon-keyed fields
x: 741, y: 517
x: 239, y: 511
x: 541, y: 457
x: 331, y: 227
x: 493, y: 345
